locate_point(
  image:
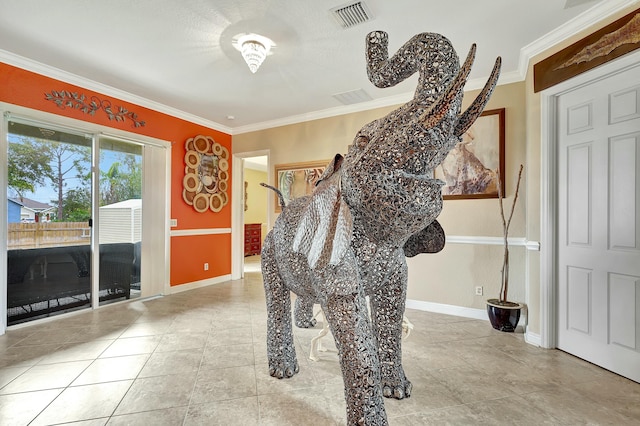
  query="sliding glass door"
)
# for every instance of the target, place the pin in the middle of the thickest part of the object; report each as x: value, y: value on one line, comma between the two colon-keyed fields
x: 49, y: 221
x: 120, y: 219
x: 74, y: 231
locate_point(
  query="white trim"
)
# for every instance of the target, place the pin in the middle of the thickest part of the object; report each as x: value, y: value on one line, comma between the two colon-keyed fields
x: 590, y: 17
x: 198, y: 284
x: 441, y: 308
x: 496, y: 241
x: 586, y: 19
x: 67, y: 77
x: 532, y: 339
x: 237, y: 209
x: 474, y: 84
x: 206, y: 231
x: 549, y: 183
x: 4, y: 180
x: 38, y: 117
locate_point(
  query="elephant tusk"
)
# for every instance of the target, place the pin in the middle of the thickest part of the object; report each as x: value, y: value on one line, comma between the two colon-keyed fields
x: 470, y: 115
x: 436, y: 111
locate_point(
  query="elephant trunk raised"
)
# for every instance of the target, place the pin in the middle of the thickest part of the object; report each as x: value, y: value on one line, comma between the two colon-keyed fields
x: 370, y: 209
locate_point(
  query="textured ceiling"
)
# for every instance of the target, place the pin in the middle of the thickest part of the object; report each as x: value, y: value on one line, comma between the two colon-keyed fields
x: 179, y: 53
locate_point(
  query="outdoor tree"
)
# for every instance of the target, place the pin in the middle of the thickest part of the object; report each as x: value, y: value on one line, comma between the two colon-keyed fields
x: 28, y: 167
x: 77, y: 205
x: 67, y: 162
x: 122, y: 181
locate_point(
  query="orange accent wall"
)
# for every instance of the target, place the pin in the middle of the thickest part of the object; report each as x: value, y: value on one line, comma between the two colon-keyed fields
x: 195, y: 251
x: 27, y: 89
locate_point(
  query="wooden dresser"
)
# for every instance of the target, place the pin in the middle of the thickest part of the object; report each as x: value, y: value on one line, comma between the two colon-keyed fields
x: 252, y: 239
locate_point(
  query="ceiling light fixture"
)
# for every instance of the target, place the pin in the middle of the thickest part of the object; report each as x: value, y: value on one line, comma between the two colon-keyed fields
x: 254, y: 49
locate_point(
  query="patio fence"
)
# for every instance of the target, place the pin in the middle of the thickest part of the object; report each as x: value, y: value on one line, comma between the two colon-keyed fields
x: 47, y: 234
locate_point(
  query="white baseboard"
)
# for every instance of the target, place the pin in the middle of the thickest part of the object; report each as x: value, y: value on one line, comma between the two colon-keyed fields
x: 197, y: 284
x: 533, y: 339
x: 441, y: 308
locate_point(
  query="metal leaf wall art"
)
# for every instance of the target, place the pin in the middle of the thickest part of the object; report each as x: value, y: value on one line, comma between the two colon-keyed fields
x: 89, y: 105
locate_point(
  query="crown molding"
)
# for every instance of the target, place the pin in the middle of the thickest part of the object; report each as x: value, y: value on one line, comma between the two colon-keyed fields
x: 572, y: 27
x: 586, y: 19
x: 473, y: 84
x: 67, y: 77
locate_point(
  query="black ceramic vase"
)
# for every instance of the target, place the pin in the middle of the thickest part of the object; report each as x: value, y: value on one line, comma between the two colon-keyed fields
x: 504, y: 316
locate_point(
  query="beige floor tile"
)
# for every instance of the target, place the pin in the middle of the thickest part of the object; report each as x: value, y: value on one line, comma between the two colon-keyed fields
x: 98, y: 332
x: 228, y: 356
x: 93, y: 422
x: 471, y: 384
x: 112, y: 369
x: 49, y: 336
x: 156, y: 393
x: 10, y: 373
x: 427, y: 394
x: 132, y: 346
x: 21, y: 408
x: 267, y: 384
x: 230, y: 336
x: 166, y: 417
x: 199, y: 357
x: 242, y: 411
x: 77, y: 352
x: 42, y: 377
x: 182, y: 341
x: 459, y: 415
x: 568, y: 407
x: 84, y: 403
x: 224, y: 383
x: 149, y: 328
x: 21, y: 356
x: 616, y: 393
x: 170, y: 363
x: 312, y: 406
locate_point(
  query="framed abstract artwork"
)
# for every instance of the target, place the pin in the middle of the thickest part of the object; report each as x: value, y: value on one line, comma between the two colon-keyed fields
x: 474, y: 165
x: 297, y: 179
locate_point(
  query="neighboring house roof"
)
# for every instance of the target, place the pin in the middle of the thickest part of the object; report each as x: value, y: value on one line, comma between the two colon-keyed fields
x: 33, y: 205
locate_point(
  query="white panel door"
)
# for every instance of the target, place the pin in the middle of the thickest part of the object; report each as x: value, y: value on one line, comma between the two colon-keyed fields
x: 599, y: 222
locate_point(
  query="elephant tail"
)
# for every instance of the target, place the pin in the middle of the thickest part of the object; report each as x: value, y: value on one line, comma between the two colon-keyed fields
x: 280, y: 197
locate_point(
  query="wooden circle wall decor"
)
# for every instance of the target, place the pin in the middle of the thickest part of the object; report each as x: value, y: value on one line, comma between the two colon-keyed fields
x: 206, y: 174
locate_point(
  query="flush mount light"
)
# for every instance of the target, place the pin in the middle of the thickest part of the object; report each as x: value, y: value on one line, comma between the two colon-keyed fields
x: 254, y: 49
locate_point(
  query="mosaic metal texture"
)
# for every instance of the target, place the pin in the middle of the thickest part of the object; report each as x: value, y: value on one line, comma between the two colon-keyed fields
x: 370, y: 209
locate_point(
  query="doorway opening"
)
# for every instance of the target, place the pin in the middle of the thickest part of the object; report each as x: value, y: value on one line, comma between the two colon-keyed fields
x: 255, y: 217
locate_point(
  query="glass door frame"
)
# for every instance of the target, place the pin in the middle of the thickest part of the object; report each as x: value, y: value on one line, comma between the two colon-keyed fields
x: 159, y: 220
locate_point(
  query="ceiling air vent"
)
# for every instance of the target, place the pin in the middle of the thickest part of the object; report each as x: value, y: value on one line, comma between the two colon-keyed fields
x: 353, y: 97
x: 352, y: 14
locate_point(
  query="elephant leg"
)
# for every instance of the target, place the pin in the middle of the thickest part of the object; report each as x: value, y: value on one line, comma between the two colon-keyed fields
x: 349, y: 322
x: 303, y: 312
x: 280, y: 350
x: 387, y: 310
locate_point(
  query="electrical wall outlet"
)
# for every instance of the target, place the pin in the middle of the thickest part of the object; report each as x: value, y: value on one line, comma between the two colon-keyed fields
x: 479, y: 290
x: 206, y: 266
x: 174, y: 222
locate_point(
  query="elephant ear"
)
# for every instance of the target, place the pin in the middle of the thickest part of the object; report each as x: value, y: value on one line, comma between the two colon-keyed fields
x: 326, y: 226
x: 430, y: 240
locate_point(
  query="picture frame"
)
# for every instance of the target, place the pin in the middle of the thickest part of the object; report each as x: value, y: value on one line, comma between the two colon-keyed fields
x: 473, y: 167
x: 297, y: 179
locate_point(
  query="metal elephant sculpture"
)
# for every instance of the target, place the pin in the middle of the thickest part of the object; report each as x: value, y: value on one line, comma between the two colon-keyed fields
x: 370, y: 209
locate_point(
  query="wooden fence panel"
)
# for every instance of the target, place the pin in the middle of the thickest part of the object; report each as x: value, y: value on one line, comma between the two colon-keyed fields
x: 47, y: 234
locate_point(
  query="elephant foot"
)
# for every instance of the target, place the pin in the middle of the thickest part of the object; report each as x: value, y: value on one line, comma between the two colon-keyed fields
x: 397, y: 386
x: 398, y: 392
x: 282, y: 369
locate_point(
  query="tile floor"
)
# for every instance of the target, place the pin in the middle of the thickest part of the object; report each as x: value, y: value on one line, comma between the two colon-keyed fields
x: 199, y: 358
